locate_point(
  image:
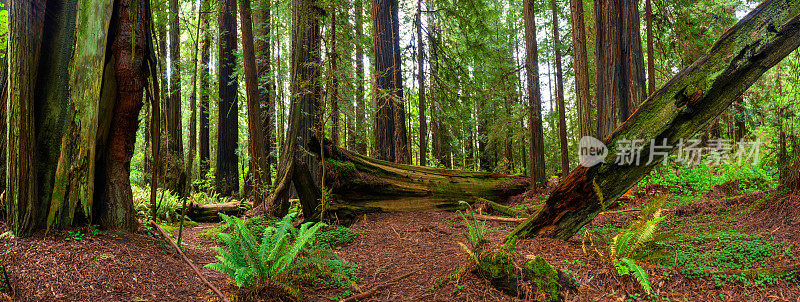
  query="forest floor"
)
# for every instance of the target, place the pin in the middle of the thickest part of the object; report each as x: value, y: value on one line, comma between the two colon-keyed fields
x: 709, y: 248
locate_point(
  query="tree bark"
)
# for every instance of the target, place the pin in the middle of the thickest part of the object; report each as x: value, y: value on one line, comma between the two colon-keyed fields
x: 423, y: 122
x: 534, y: 97
x: 390, y: 121
x: 651, y: 67
x: 562, y: 115
x: 259, y: 168
x: 361, y: 141
x: 3, y: 96
x: 176, y: 174
x: 682, y: 107
x: 228, y: 109
x: 333, y: 56
x: 362, y: 184
x: 128, y: 47
x: 581, y: 66
x: 266, y: 86
x: 205, y: 88
x: 26, y: 20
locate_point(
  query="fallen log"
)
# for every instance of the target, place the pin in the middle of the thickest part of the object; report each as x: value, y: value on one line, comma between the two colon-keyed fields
x: 210, y: 212
x: 501, y: 209
x: 675, y: 112
x: 361, y: 184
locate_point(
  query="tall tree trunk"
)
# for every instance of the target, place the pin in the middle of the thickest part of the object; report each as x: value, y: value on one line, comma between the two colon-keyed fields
x: 128, y: 47
x: 390, y: 121
x: 534, y: 97
x: 266, y: 84
x: 3, y: 96
x: 205, y: 90
x: 423, y: 122
x: 619, y: 62
x: 176, y: 177
x: 581, y: 66
x: 297, y: 166
x: 676, y: 111
x: 334, y: 81
x: 259, y: 168
x: 651, y: 67
x: 193, y: 99
x: 361, y: 126
x: 26, y: 20
x: 228, y: 110
x: 562, y: 115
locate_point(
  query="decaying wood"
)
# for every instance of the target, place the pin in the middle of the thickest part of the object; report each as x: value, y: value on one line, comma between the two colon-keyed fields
x: 500, y: 209
x: 210, y: 212
x: 498, y: 218
x: 189, y: 262
x: 362, y: 184
x: 679, y: 109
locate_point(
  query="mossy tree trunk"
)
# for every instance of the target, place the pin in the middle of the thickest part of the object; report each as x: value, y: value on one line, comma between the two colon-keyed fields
x: 361, y: 184
x: 678, y: 110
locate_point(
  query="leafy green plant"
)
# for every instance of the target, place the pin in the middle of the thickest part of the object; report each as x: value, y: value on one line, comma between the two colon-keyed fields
x: 335, y: 235
x: 476, y: 229
x: 249, y: 263
x: 629, y: 241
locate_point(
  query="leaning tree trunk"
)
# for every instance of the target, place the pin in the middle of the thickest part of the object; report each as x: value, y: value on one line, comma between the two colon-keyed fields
x: 362, y: 184
x: 679, y: 109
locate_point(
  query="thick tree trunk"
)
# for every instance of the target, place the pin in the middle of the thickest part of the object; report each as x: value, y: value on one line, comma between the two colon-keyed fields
x: 259, y: 169
x: 423, y: 122
x: 3, y: 96
x: 176, y: 174
x: 363, y: 184
x: 682, y: 107
x: 74, y: 181
x: 581, y: 66
x: 26, y: 20
x: 361, y: 117
x: 128, y: 47
x: 390, y: 121
x: 562, y: 115
x: 228, y: 109
x: 305, y: 115
x: 534, y: 97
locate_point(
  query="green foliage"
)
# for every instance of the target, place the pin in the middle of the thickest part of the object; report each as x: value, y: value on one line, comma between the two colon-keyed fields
x: 688, y: 180
x: 631, y: 240
x: 3, y: 33
x: 626, y: 266
x: 249, y: 263
x: 476, y: 229
x: 335, y: 235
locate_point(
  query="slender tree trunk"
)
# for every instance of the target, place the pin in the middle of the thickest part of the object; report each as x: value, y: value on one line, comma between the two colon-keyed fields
x: 3, y: 96
x: 176, y: 177
x: 205, y: 90
x: 651, y: 67
x: 193, y: 100
x: 361, y: 126
x: 259, y: 168
x: 534, y: 97
x: 228, y: 110
x: 581, y: 65
x: 390, y: 128
x: 676, y: 111
x: 266, y: 84
x: 562, y: 115
x: 334, y: 82
x: 423, y: 122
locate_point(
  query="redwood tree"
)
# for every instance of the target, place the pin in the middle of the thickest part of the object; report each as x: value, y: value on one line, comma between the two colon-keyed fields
x: 205, y: 88
x: 176, y: 175
x: 390, y: 120
x: 534, y: 96
x: 361, y: 142
x: 581, y: 66
x: 228, y: 109
x: 562, y: 119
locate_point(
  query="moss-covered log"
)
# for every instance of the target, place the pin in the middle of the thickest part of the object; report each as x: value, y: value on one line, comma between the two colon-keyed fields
x: 679, y: 109
x: 363, y: 184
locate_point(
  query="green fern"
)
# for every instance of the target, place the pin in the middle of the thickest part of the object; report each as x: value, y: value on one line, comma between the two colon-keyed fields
x: 629, y: 241
x: 626, y: 266
x: 476, y: 229
x: 247, y: 262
